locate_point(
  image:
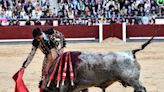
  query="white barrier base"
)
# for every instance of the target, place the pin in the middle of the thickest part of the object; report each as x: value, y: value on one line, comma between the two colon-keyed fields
x: 143, y: 38
x: 28, y: 40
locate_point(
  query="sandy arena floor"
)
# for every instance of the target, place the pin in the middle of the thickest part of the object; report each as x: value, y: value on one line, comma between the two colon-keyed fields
x: 151, y: 60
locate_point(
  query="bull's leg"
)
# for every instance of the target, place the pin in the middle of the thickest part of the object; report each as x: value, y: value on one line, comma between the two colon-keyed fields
x: 137, y: 86
x: 103, y: 90
x: 103, y: 86
x: 64, y: 88
x: 85, y: 90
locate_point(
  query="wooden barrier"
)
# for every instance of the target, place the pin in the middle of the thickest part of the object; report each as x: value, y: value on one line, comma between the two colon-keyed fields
x: 84, y: 31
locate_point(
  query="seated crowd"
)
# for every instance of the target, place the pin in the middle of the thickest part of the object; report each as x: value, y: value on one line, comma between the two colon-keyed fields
x: 81, y: 11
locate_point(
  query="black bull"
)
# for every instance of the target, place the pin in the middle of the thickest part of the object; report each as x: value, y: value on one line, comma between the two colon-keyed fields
x: 101, y: 70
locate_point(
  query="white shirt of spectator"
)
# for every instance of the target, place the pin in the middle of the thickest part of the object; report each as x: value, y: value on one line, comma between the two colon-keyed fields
x: 147, y: 5
x: 13, y: 16
x: 106, y: 4
x: 145, y: 20
x: 139, y: 2
x: 26, y: 17
x: 39, y: 12
x: 66, y: 6
x: 8, y: 13
x: 35, y: 16
x: 71, y: 14
x: 22, y: 13
x: 36, y: 13
x: 34, y: 3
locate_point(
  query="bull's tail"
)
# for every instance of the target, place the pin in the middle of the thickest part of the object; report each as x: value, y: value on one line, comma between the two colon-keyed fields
x: 143, y: 46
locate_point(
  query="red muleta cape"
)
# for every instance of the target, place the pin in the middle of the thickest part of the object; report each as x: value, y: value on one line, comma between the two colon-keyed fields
x: 19, y: 84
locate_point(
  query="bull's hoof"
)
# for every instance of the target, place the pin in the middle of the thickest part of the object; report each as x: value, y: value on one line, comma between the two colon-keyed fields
x: 143, y: 90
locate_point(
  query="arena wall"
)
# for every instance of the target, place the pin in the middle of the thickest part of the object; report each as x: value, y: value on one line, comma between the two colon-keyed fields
x: 83, y: 31
x: 144, y: 30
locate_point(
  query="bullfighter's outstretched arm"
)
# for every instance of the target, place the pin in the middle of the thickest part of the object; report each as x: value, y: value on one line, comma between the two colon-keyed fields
x: 30, y: 57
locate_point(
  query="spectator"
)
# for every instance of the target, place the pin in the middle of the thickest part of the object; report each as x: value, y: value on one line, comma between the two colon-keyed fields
x: 46, y: 4
x: 3, y: 14
x: 48, y: 15
x: 70, y: 13
x: 0, y: 22
x: 153, y: 4
x: 28, y: 23
x: 89, y: 22
x: 35, y: 16
x: 37, y: 22
x: 17, y: 23
x: 28, y: 7
x: 26, y: 17
x: 154, y: 15
x: 22, y: 13
x: 145, y: 20
x: 36, y: 9
x: 135, y: 21
x: 135, y: 14
x: 147, y: 6
x: 14, y: 17
x: 34, y: 3
x: 5, y: 4
x: 16, y: 13
x: 36, y: 13
x: 65, y: 14
x: 11, y: 23
x: 87, y: 12
x: 141, y: 11
x: 123, y: 20
x: 1, y: 9
x: 127, y: 4
x: 80, y: 7
x: 48, y: 22
x: 123, y: 12
x: 113, y: 20
x: 152, y: 21
x: 153, y: 9
x: 76, y: 13
x: 162, y: 12
x: 55, y: 12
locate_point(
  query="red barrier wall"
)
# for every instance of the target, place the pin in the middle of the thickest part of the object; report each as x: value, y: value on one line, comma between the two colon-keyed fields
x: 16, y: 32
x: 71, y: 31
x: 83, y: 31
x: 144, y: 30
x: 112, y: 30
x: 79, y: 31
